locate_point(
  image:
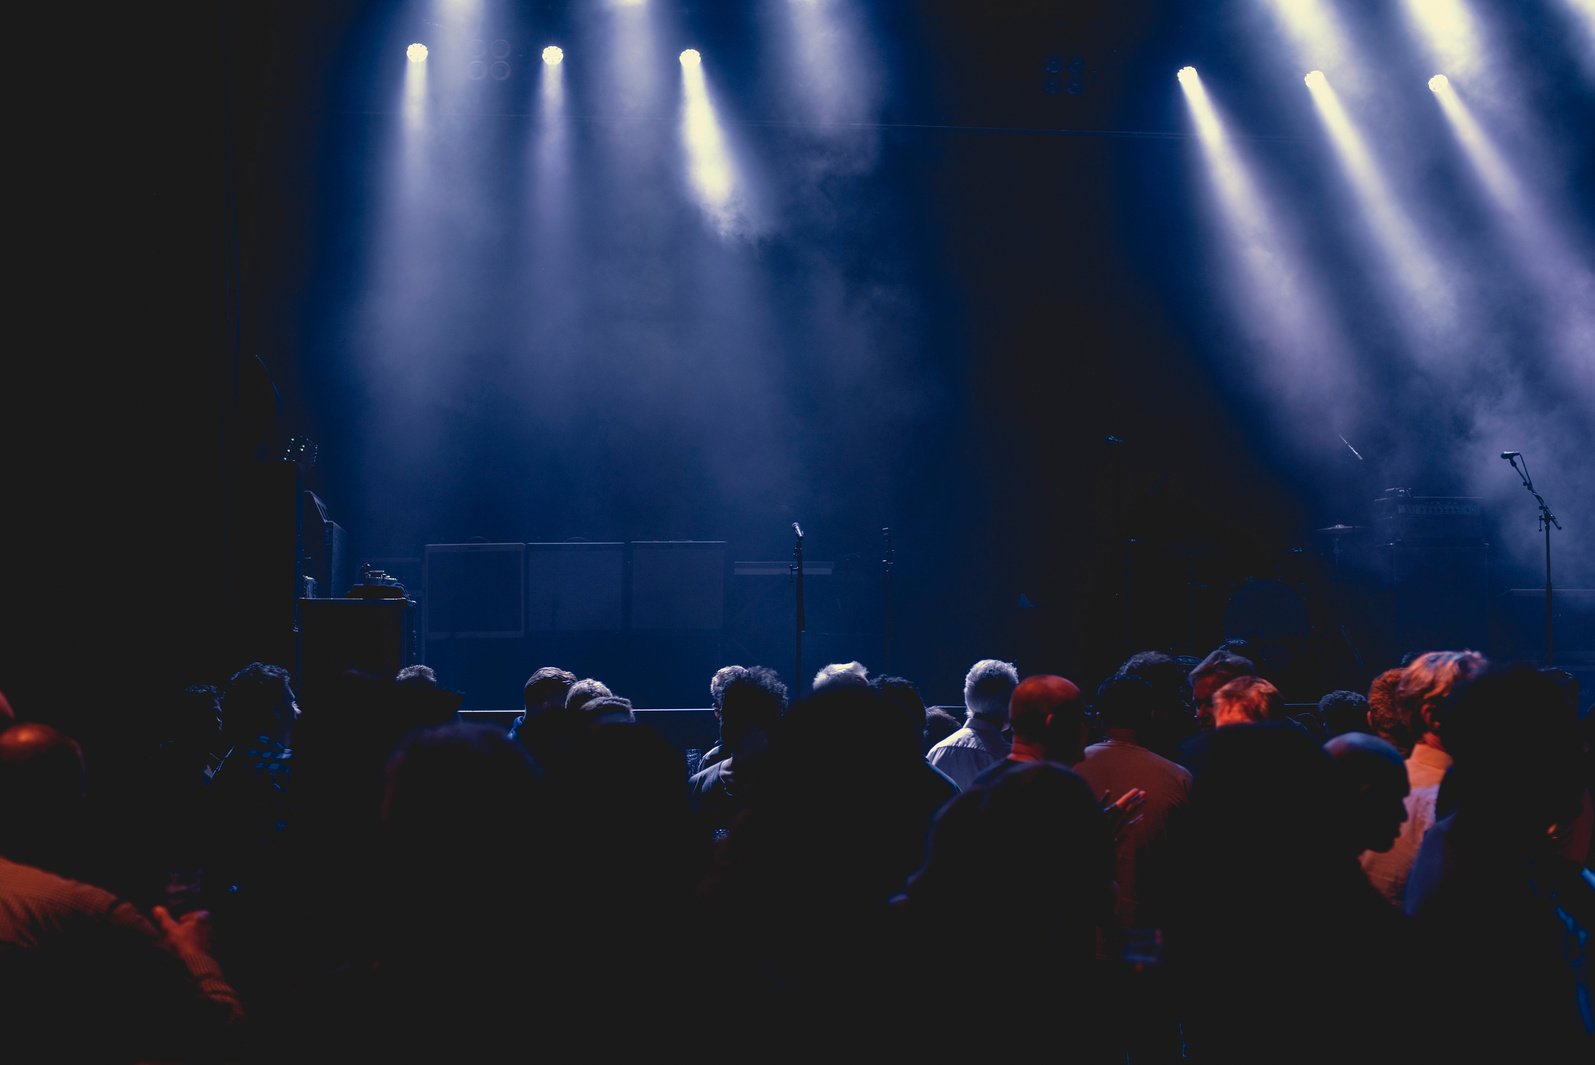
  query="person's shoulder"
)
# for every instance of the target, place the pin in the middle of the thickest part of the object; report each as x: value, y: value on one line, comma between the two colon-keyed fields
x: 53, y: 891
x: 940, y: 777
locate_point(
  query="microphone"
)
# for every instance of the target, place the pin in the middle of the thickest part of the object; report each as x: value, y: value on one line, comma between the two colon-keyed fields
x: 1509, y: 455
x: 797, y: 529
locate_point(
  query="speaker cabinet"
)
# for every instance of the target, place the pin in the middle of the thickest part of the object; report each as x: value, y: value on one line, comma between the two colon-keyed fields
x: 1437, y: 596
x: 474, y: 591
x: 575, y: 587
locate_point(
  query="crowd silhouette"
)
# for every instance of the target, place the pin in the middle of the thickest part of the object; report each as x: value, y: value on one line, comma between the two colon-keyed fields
x: 1166, y: 864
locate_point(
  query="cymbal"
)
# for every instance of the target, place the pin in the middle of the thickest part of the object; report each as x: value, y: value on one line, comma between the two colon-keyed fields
x: 1340, y: 530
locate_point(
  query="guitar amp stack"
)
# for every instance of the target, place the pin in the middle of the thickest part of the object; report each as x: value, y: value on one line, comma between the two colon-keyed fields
x: 1434, y: 563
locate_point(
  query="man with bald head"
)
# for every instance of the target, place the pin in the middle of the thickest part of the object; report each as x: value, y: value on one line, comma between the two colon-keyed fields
x: 1047, y: 716
x: 1371, y: 778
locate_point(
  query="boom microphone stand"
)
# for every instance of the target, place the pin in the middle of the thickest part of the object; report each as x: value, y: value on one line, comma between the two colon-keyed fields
x: 886, y: 602
x: 797, y: 574
x: 1547, y: 519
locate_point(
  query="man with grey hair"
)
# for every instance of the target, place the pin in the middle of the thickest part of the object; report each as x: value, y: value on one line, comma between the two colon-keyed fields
x: 981, y: 742
x: 853, y: 673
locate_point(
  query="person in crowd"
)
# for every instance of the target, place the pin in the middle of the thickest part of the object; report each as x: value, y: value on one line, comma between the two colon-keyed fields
x: 799, y: 888
x: 1210, y: 674
x: 940, y: 723
x: 167, y: 816
x: 544, y: 693
x: 1243, y: 700
x: 544, y: 727
x: 981, y: 742
x: 1426, y: 684
x: 1341, y: 711
x: 1386, y: 719
x: 751, y: 704
x: 248, y: 860
x: 442, y: 975
x: 1032, y: 846
x: 717, y: 685
x: 1276, y: 943
x: 425, y: 700
x: 607, y: 709
x: 583, y: 691
x: 853, y: 673
x: 90, y: 975
x: 1503, y: 918
x: 1174, y: 718
x: 905, y: 693
x: 1247, y: 700
x: 1048, y: 721
x: 1126, y: 706
x: 1372, y: 779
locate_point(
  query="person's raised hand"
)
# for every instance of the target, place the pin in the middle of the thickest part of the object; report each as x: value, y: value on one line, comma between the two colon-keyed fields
x: 191, y: 931
x: 1123, y: 811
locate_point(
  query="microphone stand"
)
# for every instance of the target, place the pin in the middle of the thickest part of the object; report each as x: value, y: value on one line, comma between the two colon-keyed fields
x: 797, y: 573
x: 886, y: 603
x: 1547, y: 519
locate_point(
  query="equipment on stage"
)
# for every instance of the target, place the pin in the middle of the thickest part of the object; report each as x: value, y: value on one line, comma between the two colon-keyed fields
x: 1400, y: 516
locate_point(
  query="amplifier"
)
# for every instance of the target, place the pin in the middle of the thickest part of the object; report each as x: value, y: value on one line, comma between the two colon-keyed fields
x: 1400, y: 516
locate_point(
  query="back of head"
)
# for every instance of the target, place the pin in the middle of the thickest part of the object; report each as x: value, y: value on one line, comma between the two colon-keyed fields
x: 1385, y: 717
x: 718, y: 681
x: 257, y: 701
x: 584, y: 691
x: 940, y: 723
x: 1040, y: 697
x: 1371, y: 779
x: 1169, y: 677
x: 1126, y: 701
x: 751, y: 705
x: 1210, y: 674
x: 850, y: 674
x: 421, y: 699
x: 1428, y: 680
x: 546, y: 687
x: 416, y: 673
x: 1519, y: 701
x: 458, y: 803
x: 193, y: 719
x: 42, y: 788
x: 607, y: 710
x: 1342, y: 711
x: 905, y: 694
x: 1247, y: 700
x: 988, y: 686
x: 1050, y: 711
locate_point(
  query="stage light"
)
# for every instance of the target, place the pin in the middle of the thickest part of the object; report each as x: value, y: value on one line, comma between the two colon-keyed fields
x: 553, y: 55
x: 416, y: 53
x: 1187, y: 76
x: 1315, y: 79
x: 691, y: 58
x: 1439, y: 83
